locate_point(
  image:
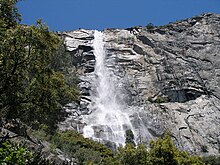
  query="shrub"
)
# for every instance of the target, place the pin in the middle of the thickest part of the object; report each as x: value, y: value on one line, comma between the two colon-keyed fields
x: 150, y: 26
x: 129, y: 137
x: 14, y: 154
x: 161, y: 152
x: 212, y: 160
x: 159, y: 99
x: 204, y: 148
x: 75, y: 145
x: 86, y: 155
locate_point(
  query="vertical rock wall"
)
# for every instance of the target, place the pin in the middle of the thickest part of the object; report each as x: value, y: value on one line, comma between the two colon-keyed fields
x: 170, y: 78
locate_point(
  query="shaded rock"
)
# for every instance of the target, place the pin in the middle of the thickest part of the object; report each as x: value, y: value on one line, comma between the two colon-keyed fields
x: 169, y: 75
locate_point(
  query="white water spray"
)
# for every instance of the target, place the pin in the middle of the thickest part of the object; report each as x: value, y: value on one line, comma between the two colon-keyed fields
x: 108, y: 121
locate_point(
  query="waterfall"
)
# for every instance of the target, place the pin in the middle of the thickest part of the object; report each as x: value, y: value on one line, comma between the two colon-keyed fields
x: 108, y: 120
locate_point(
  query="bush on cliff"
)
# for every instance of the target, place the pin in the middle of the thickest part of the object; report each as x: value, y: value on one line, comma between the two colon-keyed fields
x: 161, y: 152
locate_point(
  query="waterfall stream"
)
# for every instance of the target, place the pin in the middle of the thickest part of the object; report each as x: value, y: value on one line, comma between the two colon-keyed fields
x: 108, y: 120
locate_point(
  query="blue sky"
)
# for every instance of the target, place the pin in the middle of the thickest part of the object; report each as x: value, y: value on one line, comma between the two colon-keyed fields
x: 65, y: 15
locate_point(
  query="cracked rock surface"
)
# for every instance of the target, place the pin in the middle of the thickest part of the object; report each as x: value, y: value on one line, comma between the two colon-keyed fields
x: 170, y: 76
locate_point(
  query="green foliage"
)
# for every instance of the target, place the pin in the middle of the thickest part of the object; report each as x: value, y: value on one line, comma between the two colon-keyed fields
x: 130, y: 155
x: 29, y: 85
x: 212, y: 160
x: 142, y: 155
x: 33, y: 70
x: 129, y: 137
x: 85, y: 150
x: 42, y: 132
x: 204, y: 148
x: 88, y: 155
x: 150, y: 26
x: 161, y: 152
x: 9, y: 15
x: 61, y: 59
x: 126, y: 155
x: 32, y: 85
x: 14, y: 154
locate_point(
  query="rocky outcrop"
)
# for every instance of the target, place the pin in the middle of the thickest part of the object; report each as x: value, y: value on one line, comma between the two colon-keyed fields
x: 16, y: 132
x: 170, y: 78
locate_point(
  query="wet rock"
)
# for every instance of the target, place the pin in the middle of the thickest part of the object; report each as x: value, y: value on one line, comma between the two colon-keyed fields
x: 169, y: 75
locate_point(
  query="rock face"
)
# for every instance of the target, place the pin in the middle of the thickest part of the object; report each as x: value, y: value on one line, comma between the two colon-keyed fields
x: 170, y: 79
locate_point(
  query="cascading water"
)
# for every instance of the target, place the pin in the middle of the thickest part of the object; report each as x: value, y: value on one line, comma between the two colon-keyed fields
x: 108, y: 121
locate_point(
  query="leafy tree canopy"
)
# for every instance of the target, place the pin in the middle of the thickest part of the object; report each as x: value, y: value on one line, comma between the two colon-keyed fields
x: 9, y: 16
x: 31, y: 87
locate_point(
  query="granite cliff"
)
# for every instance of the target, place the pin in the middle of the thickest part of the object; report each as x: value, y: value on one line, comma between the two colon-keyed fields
x: 169, y: 77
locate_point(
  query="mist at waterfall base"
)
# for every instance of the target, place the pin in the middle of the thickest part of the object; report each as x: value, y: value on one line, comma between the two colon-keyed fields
x: 108, y: 121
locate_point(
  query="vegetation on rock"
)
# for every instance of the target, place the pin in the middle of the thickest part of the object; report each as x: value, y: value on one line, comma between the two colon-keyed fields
x: 161, y: 151
x: 129, y: 135
x: 14, y: 154
x: 34, y: 86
